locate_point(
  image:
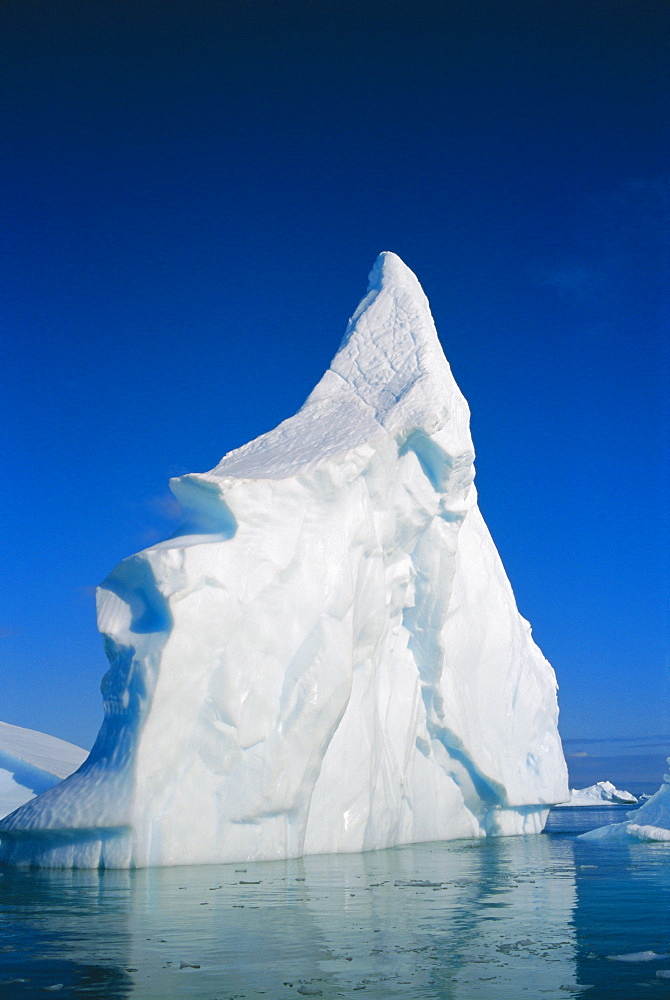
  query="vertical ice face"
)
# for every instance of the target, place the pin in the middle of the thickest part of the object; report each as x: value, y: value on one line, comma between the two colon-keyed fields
x: 328, y: 655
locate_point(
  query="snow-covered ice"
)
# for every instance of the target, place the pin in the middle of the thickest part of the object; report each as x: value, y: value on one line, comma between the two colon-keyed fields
x: 32, y: 762
x: 602, y: 793
x: 327, y: 656
x: 650, y: 822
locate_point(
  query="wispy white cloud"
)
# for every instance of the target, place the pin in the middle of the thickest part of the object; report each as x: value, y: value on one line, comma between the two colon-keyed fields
x: 571, y: 278
x: 164, y: 505
x: 157, y: 517
x: 613, y: 237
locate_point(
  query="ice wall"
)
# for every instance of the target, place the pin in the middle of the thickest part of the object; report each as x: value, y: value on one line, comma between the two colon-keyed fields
x: 327, y: 656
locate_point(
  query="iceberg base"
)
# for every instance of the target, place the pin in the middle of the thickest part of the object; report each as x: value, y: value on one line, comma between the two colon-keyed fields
x: 105, y: 848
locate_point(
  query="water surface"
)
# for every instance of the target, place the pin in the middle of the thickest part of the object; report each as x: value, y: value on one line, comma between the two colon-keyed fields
x: 503, y: 918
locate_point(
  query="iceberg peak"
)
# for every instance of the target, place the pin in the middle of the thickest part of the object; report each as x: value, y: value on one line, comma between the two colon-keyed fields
x: 390, y: 375
x: 389, y: 269
x: 391, y: 342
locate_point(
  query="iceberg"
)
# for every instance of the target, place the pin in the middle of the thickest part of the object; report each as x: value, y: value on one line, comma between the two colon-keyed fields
x: 32, y: 762
x: 650, y: 822
x: 602, y: 793
x: 327, y: 655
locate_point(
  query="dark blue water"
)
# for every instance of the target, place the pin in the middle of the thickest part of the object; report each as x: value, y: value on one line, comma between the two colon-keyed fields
x: 522, y: 916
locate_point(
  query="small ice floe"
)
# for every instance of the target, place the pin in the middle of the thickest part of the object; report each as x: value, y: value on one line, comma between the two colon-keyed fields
x: 663, y: 974
x: 602, y: 793
x: 629, y: 831
x: 647, y: 832
x: 417, y: 883
x: 309, y: 991
x: 651, y: 822
x: 639, y: 956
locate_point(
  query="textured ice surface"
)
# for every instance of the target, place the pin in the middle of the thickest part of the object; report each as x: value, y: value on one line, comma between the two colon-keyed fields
x: 650, y: 822
x: 32, y: 762
x: 327, y: 656
x: 601, y: 793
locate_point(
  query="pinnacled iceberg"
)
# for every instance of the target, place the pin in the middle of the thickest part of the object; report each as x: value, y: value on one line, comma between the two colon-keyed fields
x: 327, y: 656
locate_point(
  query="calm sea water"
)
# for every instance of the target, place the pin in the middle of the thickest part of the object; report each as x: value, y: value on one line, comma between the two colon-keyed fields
x: 536, y: 916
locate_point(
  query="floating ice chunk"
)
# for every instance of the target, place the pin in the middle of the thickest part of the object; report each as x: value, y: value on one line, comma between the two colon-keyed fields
x: 650, y: 822
x: 327, y: 656
x: 602, y: 793
x: 647, y: 832
x: 628, y: 831
x: 639, y: 956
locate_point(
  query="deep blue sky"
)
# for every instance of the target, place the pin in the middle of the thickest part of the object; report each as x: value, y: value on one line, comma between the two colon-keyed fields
x: 193, y: 195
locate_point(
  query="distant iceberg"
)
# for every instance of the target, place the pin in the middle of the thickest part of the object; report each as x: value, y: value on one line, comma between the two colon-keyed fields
x: 602, y: 793
x: 650, y: 822
x: 32, y: 762
x: 327, y: 656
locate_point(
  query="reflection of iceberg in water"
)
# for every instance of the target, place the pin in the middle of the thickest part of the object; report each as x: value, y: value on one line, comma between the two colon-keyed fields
x: 522, y: 941
x: 454, y: 921
x: 487, y: 919
x: 462, y: 914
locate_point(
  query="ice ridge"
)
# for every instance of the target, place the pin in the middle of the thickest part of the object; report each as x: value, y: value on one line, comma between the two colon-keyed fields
x: 390, y: 374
